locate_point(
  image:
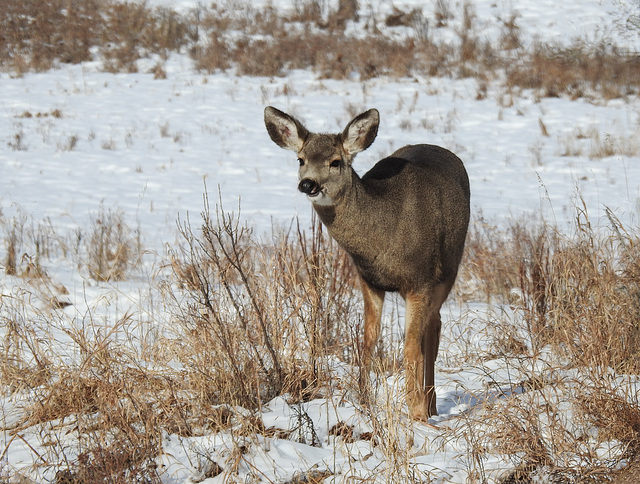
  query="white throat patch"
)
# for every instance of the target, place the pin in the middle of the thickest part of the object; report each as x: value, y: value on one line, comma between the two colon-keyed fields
x: 320, y: 199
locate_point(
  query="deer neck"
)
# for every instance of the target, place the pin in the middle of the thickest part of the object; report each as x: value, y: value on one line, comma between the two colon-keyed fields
x: 350, y: 220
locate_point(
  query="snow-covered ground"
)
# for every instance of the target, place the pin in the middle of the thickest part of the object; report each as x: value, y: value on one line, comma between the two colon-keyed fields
x: 76, y: 139
x: 147, y: 146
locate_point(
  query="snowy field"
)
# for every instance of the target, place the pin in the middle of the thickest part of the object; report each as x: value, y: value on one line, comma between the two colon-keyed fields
x: 148, y: 145
x: 76, y: 139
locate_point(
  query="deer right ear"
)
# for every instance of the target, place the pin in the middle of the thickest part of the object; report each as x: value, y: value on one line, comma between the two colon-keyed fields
x: 285, y: 131
x: 361, y: 131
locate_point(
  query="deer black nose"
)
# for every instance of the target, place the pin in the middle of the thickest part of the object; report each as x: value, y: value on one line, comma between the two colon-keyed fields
x: 309, y: 186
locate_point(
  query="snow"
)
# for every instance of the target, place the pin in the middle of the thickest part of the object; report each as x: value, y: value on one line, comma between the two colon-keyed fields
x: 149, y: 146
x: 75, y: 139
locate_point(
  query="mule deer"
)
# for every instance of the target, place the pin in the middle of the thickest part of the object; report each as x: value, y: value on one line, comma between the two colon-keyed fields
x: 404, y: 224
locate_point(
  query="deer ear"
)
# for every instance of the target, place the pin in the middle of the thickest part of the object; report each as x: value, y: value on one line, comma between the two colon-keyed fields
x: 361, y: 131
x: 285, y: 131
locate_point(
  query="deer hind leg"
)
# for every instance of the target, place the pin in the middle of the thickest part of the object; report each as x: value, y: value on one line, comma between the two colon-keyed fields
x: 422, y: 340
x: 430, y: 345
x: 373, y: 300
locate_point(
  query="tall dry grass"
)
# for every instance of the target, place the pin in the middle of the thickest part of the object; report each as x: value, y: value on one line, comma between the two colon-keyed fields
x: 271, y: 313
x: 39, y: 35
x: 570, y: 410
x: 113, y: 248
x: 576, y: 71
x: 246, y: 319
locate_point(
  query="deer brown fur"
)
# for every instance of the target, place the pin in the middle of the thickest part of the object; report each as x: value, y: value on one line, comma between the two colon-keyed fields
x: 403, y: 223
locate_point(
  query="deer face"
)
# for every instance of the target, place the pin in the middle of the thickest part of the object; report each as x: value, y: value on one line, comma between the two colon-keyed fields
x: 325, y: 159
x: 324, y: 169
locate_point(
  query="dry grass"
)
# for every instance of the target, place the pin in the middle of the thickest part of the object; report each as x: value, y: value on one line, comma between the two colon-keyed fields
x: 576, y: 292
x: 577, y: 71
x: 268, y: 42
x: 112, y: 248
x: 132, y: 31
x: 499, y: 259
x: 13, y: 241
x: 113, y: 410
x: 568, y: 412
x: 594, y: 144
x: 251, y: 320
x: 258, y: 309
x: 38, y: 35
x: 26, y: 245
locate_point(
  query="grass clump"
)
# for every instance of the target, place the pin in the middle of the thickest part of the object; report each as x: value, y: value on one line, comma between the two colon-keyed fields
x: 247, y: 321
x: 132, y: 31
x: 39, y: 35
x: 576, y: 71
x: 113, y: 248
x: 568, y: 408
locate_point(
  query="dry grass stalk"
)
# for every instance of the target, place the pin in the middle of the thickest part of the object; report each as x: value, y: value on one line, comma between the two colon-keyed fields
x: 12, y: 242
x: 113, y: 248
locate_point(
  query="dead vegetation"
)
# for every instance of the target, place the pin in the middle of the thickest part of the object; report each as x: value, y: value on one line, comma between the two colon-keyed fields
x: 259, y: 309
x: 113, y: 248
x: 247, y: 321
x: 37, y: 36
x: 336, y: 44
x: 573, y: 342
x: 251, y: 320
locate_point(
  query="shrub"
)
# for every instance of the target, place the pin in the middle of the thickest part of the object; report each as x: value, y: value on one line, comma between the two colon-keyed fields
x: 36, y: 33
x: 577, y: 70
x: 133, y: 30
x: 259, y: 308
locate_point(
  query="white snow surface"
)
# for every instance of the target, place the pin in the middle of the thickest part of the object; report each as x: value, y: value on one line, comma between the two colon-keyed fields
x: 148, y: 146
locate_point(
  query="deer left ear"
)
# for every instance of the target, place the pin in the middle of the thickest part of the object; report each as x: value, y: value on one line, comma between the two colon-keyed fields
x: 285, y: 131
x: 360, y: 132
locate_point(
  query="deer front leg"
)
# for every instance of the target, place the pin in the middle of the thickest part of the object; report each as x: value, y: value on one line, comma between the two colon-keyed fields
x: 373, y: 300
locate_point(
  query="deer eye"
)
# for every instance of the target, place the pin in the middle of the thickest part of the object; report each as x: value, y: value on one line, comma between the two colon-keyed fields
x: 335, y: 163
x: 301, y: 161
